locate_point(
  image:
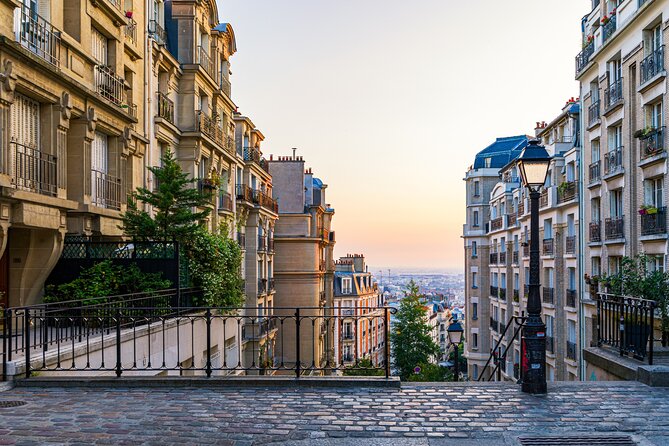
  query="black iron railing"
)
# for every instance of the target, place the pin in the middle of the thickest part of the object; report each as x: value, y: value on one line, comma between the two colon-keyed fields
x: 162, y: 334
x: 209, y: 126
x: 271, y: 284
x: 262, y: 286
x: 494, y: 291
x: 252, y: 154
x: 497, y: 354
x: 548, y: 295
x: 550, y: 344
x: 206, y: 63
x: 571, y: 298
x: 496, y: 223
x: 158, y: 32
x: 571, y: 350
x: 494, y: 325
x: 609, y: 28
x: 241, y: 240
x: 613, y: 95
x: 109, y: 85
x: 595, y: 231
x: 614, y: 228
x: 652, y: 64
x: 262, y: 243
x: 570, y: 244
x: 502, y: 293
x: 653, y: 144
x: 594, y: 112
x: 543, y: 198
x: 244, y: 192
x: 270, y: 244
x: 548, y: 248
x: 225, y: 201
x: 613, y: 161
x: 516, y: 295
x: 165, y: 108
x: 262, y: 199
x: 526, y: 249
x: 34, y: 170
x: 38, y: 35
x: 106, y: 190
x: 654, y: 222
x: 595, y: 172
x: 583, y: 58
x: 131, y: 30
x: 511, y: 219
x: 502, y: 258
x: 493, y: 258
x: 515, y: 257
x: 626, y: 324
x: 567, y: 191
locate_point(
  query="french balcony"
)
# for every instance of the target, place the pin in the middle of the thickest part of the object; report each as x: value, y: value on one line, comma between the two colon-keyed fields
x: 165, y: 108
x: 614, y: 228
x: 494, y: 325
x: 570, y: 244
x: 502, y: 258
x: 595, y: 232
x: 106, y: 190
x: 37, y: 35
x: 158, y: 32
x: 571, y: 298
x: 583, y: 58
x: 543, y: 198
x: 262, y: 286
x: 496, y: 224
x: 571, y: 350
x: 271, y: 284
x: 654, y: 223
x: 204, y: 61
x: 548, y: 248
x: 34, y: 171
x: 550, y: 345
x: 511, y: 220
x: 493, y: 258
x: 613, y: 95
x: 526, y: 290
x: 502, y: 327
x: 262, y: 243
x: 594, y: 112
x: 209, y: 126
x: 613, y: 161
x: 548, y: 295
x: 241, y: 240
x: 653, y: 144
x: 526, y: 249
x: 226, y: 86
x: 252, y: 154
x: 609, y: 28
x: 567, y: 191
x: 494, y: 291
x: 521, y: 208
x: 244, y: 193
x: 225, y: 202
x: 131, y: 30
x: 516, y: 295
x: 515, y: 257
x: 502, y: 293
x: 595, y: 172
x: 108, y: 84
x: 652, y: 65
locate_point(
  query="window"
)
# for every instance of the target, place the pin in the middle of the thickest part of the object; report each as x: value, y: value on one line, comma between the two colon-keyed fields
x: 475, y: 280
x: 477, y: 189
x: 572, y: 278
x: 653, y: 115
x: 615, y: 70
x: 571, y: 331
x: 616, y: 203
x: 549, y: 325
x: 503, y: 281
x: 346, y: 285
x: 99, y: 47
x: 475, y: 311
x: 594, y: 150
x: 476, y: 372
x: 475, y: 341
x: 653, y: 192
x: 596, y: 266
x: 571, y: 230
x: 495, y: 279
x: 474, y: 249
x: 615, y: 137
x: 25, y: 128
x: 655, y: 263
x: 488, y: 162
x: 614, y: 264
x: 595, y: 212
x: 548, y: 229
x: 516, y: 281
x: 476, y: 219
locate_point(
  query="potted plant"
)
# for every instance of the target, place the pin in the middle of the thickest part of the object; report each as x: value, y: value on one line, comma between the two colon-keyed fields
x: 644, y: 132
x: 128, y: 14
x: 645, y: 209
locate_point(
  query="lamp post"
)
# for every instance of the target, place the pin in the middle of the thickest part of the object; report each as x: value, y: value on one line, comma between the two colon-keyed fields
x: 533, y: 165
x: 455, y: 332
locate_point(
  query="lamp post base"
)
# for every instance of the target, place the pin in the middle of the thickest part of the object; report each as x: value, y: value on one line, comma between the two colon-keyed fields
x: 533, y: 357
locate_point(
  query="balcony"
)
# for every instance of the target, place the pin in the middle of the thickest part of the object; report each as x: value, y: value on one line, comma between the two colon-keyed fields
x: 595, y: 232
x: 165, y: 108
x: 548, y: 295
x: 521, y: 208
x: 270, y: 245
x: 108, y: 84
x: 526, y: 249
x: 158, y: 32
x: 613, y: 95
x: 105, y: 190
x: 583, y: 58
x: 241, y: 240
x: 502, y: 293
x: 496, y: 224
x: 265, y: 201
x: 571, y: 350
x: 131, y: 30
x: 608, y: 28
x: 570, y: 244
x: 502, y: 258
x: 262, y: 286
x: 516, y: 295
x: 259, y: 329
x: 567, y: 191
x: 548, y: 248
x: 271, y: 284
x: 595, y: 172
x: 262, y: 243
x: 38, y: 36
x: 226, y: 85
x: 493, y: 324
x: 493, y: 258
x: 571, y: 298
x: 252, y: 154
x: 550, y: 345
x: 244, y: 193
x: 208, y: 65
x: 225, y: 202
x: 652, y: 65
x: 594, y: 113
x: 652, y: 144
x: 209, y: 126
x: 614, y: 228
x: 34, y: 171
x: 654, y: 223
x: 511, y: 220
x: 543, y: 198
x: 515, y: 257
x: 494, y: 291
x: 613, y: 161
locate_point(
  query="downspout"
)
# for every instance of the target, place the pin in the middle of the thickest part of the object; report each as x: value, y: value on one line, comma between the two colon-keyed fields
x: 581, y: 235
x: 148, y: 103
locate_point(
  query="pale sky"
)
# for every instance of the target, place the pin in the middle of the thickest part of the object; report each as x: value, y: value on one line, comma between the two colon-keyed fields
x: 388, y: 101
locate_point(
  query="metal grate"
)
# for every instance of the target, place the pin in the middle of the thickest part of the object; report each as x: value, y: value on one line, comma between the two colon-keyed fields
x: 6, y: 404
x: 589, y: 440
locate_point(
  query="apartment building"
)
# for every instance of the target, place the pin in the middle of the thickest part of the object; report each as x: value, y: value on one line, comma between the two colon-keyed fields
x: 304, y: 263
x: 623, y: 83
x: 359, y: 324
x: 71, y: 104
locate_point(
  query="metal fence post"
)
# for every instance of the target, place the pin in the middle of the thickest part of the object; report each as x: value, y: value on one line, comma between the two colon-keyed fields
x: 118, y: 342
x: 298, y: 363
x: 652, y: 333
x: 387, y: 342
x: 26, y: 339
x: 6, y: 343
x: 208, y: 368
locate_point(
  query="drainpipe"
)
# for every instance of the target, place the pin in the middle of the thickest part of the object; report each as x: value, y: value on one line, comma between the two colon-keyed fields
x: 148, y: 97
x: 581, y: 236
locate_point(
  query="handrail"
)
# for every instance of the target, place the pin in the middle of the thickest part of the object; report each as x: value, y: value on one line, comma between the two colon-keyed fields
x: 520, y: 324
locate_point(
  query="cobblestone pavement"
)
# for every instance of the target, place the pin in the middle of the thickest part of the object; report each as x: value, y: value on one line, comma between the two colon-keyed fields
x: 428, y: 414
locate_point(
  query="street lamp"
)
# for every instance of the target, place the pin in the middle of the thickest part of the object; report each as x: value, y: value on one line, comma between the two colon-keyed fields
x: 455, y: 332
x: 533, y: 165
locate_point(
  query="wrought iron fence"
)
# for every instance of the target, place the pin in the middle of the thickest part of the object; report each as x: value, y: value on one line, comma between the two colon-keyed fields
x: 567, y: 192
x: 548, y: 295
x: 106, y: 190
x: 38, y: 35
x: 626, y: 324
x: 595, y: 231
x: 493, y: 258
x: 652, y: 144
x: 494, y: 291
x: 571, y: 350
x: 570, y: 244
x: 34, y: 170
x: 613, y: 161
x: 548, y: 247
x: 209, y: 126
x: 252, y: 154
x: 613, y: 95
x: 109, y: 85
x: 652, y: 64
x: 594, y: 112
x: 583, y: 58
x: 571, y: 298
x: 653, y: 223
x: 614, y: 228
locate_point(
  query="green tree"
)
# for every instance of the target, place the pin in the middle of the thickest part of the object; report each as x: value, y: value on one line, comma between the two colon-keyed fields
x: 430, y: 373
x: 172, y: 201
x: 410, y: 336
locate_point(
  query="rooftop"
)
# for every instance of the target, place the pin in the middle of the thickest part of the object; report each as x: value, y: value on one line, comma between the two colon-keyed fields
x: 421, y: 414
x: 501, y: 152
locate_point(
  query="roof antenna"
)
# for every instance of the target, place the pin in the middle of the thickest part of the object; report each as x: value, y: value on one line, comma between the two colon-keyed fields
x: 294, y: 150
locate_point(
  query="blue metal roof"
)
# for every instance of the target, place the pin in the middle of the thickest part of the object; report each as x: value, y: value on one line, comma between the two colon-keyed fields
x: 317, y: 183
x: 501, y: 152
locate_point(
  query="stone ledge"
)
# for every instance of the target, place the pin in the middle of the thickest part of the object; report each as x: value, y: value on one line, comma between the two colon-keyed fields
x: 654, y: 375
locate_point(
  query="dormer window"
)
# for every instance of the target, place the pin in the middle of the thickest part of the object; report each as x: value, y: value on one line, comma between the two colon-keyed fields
x: 346, y: 285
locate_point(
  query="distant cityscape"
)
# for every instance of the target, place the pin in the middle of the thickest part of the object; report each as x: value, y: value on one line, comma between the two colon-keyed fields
x: 434, y: 283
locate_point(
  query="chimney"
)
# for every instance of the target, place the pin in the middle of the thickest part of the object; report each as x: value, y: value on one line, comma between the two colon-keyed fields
x: 294, y: 151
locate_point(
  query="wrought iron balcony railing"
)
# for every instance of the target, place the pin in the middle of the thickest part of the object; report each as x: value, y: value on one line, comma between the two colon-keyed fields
x: 244, y: 193
x: 543, y: 198
x: 571, y: 350
x: 271, y: 284
x: 225, y: 201
x: 654, y: 222
x: 652, y: 64
x: 494, y: 291
x: 583, y: 57
x: 548, y: 247
x: 526, y: 249
x: 550, y: 344
x: 158, y: 32
x: 108, y: 84
x: 595, y: 172
x: 496, y: 224
x: 165, y: 108
x: 613, y: 161
x: 609, y: 28
x: 614, y: 228
x: 516, y: 295
x: 252, y: 154
x: 493, y: 258
x: 594, y: 112
x: 34, y: 170
x: 570, y: 244
x: 511, y: 219
x: 131, y: 30
x: 502, y: 258
x: 502, y: 293
x: 265, y: 201
x: 653, y: 144
x: 241, y: 239
x: 209, y: 126
x: 38, y: 35
x: 613, y: 95
x: 571, y: 298
x: 567, y: 191
x: 270, y: 244
x: 262, y: 286
x: 595, y: 231
x: 262, y: 243
x: 515, y: 257
x: 548, y: 295
x: 106, y: 190
x: 206, y: 63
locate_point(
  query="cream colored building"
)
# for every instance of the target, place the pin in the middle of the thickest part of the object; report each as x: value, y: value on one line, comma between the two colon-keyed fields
x: 622, y: 74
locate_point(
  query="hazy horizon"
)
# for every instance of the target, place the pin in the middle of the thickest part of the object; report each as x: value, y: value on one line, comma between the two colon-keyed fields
x: 389, y: 101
